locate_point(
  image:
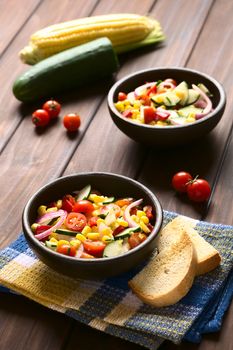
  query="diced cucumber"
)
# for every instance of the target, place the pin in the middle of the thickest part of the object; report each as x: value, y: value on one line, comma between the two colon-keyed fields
x: 115, y: 248
x: 168, y: 98
x: 84, y: 193
x: 184, y: 112
x: 127, y: 232
x: 51, y: 245
x: 204, y: 89
x: 182, y: 92
x: 193, y: 96
x: 66, y: 232
x: 109, y: 200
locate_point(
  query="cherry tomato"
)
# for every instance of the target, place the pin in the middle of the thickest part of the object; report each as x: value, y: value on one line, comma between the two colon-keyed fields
x: 124, y: 201
x: 136, y: 238
x: 122, y: 96
x: 72, y: 121
x: 83, y: 206
x: 149, y: 114
x: 86, y: 256
x: 95, y: 248
x: 149, y: 211
x: 198, y: 190
x: 127, y: 114
x: 67, y: 203
x: 66, y: 249
x: 52, y: 107
x: 180, y: 181
x: 41, y: 228
x: 172, y: 81
x: 40, y: 117
x: 93, y: 221
x: 75, y: 221
x: 152, y: 90
x: 117, y: 230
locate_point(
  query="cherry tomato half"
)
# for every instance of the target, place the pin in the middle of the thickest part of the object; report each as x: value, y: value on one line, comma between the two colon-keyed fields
x: 180, y: 181
x: 149, y: 114
x: 93, y: 221
x: 198, y: 190
x: 95, y: 248
x: 75, y: 221
x: 72, y: 121
x: 66, y: 249
x: 67, y: 203
x: 40, y: 117
x: 122, y: 96
x: 136, y: 238
x: 52, y: 107
x: 83, y: 206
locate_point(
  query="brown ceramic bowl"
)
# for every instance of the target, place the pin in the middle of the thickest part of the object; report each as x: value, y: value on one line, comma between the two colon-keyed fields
x: 108, y: 184
x: 169, y: 135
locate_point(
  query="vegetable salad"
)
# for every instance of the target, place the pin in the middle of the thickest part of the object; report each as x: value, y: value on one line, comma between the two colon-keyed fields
x: 88, y: 225
x: 165, y: 103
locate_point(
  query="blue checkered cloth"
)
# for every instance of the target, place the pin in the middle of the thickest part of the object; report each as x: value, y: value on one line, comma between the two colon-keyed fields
x: 110, y: 306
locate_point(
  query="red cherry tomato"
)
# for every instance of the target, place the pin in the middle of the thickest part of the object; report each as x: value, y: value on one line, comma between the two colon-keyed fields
x: 72, y: 121
x: 122, y: 96
x: 149, y: 211
x: 75, y: 221
x: 127, y: 113
x: 41, y: 228
x: 149, y: 114
x: 180, y: 181
x: 118, y: 230
x: 40, y: 117
x: 67, y: 203
x: 152, y: 90
x: 83, y: 206
x: 95, y: 248
x: 136, y: 238
x: 198, y: 190
x: 66, y: 249
x: 93, y: 221
x: 52, y: 107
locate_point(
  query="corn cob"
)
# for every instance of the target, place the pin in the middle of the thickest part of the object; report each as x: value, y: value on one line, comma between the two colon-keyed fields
x: 126, y: 32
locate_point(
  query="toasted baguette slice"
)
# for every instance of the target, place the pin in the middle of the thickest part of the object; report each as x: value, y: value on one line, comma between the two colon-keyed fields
x: 169, y: 275
x: 208, y: 258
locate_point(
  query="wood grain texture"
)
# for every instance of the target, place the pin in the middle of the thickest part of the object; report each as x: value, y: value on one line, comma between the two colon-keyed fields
x: 13, y: 15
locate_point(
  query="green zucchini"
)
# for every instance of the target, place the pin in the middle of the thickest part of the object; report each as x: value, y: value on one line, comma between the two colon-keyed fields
x: 127, y: 232
x: 67, y: 70
x: 84, y: 193
x: 65, y: 232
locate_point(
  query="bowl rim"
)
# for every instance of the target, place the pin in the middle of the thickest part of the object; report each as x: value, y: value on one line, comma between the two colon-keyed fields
x: 155, y: 231
x: 219, y: 86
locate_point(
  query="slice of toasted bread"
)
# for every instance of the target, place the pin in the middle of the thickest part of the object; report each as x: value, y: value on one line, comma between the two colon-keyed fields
x: 169, y: 275
x: 208, y: 258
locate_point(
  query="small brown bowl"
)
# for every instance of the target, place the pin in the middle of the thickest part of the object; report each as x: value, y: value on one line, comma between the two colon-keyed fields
x: 168, y: 135
x: 108, y: 184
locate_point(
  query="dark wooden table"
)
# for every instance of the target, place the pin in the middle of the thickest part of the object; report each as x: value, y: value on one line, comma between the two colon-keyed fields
x: 199, y: 35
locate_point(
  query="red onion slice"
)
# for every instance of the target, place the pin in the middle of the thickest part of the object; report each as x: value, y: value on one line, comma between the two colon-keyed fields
x: 167, y: 85
x: 208, y: 107
x: 55, y: 214
x: 127, y: 215
x: 79, y: 251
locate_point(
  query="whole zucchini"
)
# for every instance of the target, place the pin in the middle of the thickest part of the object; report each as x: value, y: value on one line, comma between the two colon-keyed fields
x: 67, y: 70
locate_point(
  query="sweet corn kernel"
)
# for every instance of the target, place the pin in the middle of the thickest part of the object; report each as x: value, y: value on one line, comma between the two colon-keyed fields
x: 52, y: 239
x: 122, y: 222
x: 53, y: 235
x: 94, y: 229
x: 51, y: 210
x: 144, y: 227
x: 145, y: 219
x: 41, y: 210
x: 94, y: 236
x: 96, y: 199
x: 135, y: 218
x: 75, y: 243
x: 34, y: 226
x: 140, y: 213
x: 61, y: 242
x: 106, y: 231
x: 159, y: 122
x: 59, y: 203
x: 80, y: 237
x: 86, y: 230
x: 100, y: 220
x: 96, y: 206
x: 120, y: 106
x: 95, y: 212
x: 107, y: 239
x: 114, y: 225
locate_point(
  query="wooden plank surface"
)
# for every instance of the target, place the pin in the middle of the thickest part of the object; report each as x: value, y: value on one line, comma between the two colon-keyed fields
x: 30, y: 159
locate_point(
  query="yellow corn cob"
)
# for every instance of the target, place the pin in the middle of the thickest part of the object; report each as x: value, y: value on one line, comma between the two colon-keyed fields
x: 121, y: 29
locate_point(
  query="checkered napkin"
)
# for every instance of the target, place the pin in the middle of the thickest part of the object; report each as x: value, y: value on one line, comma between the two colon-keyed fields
x: 109, y: 305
